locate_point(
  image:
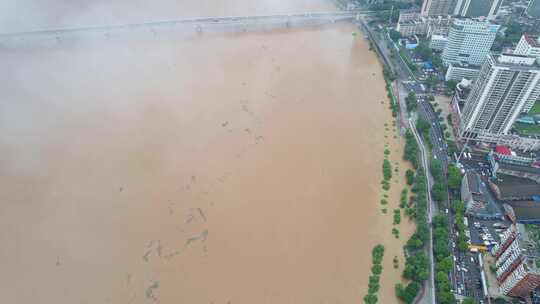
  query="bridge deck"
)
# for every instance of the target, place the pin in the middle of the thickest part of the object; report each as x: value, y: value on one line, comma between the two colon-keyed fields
x: 194, y: 22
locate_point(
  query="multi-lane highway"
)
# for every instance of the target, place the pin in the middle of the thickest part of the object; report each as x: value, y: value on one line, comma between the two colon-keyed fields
x: 439, y: 148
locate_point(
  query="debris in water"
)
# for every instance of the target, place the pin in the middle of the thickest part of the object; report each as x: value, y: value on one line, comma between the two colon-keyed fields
x: 145, y: 256
x: 202, y: 237
x: 150, y: 291
x: 189, y: 219
x: 201, y: 213
x: 171, y: 255
x: 158, y: 249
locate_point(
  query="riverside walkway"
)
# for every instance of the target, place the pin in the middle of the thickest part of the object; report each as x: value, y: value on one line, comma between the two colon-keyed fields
x: 197, y: 24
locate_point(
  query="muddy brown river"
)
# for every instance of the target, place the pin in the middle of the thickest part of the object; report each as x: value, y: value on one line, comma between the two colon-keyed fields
x: 209, y: 168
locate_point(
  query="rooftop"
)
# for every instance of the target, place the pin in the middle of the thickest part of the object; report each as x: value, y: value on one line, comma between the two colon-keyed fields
x: 409, y: 11
x: 509, y: 187
x: 526, y: 210
x: 531, y: 40
x: 515, y: 61
x: 503, y: 150
x: 526, y: 169
x: 465, y: 66
x: 482, y: 203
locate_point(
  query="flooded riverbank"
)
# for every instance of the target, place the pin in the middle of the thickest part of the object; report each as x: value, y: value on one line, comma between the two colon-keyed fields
x: 234, y: 168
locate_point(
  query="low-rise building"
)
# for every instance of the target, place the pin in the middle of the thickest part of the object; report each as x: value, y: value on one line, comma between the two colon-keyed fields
x: 479, y: 201
x: 524, y: 212
x: 438, y: 25
x: 458, y: 71
x: 528, y: 45
x: 412, y: 28
x: 504, y: 155
x: 438, y: 42
x: 427, y: 26
x: 509, y: 188
x: 406, y: 15
x: 511, y: 140
x: 528, y: 172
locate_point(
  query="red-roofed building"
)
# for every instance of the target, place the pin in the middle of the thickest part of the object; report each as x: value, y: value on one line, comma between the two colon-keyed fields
x: 503, y: 150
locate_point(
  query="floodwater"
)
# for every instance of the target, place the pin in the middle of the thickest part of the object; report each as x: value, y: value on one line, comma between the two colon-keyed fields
x: 214, y: 168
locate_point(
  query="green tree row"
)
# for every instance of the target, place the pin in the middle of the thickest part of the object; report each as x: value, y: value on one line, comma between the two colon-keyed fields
x: 443, y: 259
x: 411, y: 149
x: 458, y: 207
x: 377, y: 255
x: 416, y: 265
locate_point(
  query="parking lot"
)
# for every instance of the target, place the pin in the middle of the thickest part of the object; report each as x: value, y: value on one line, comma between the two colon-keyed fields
x: 486, y: 232
x: 413, y: 86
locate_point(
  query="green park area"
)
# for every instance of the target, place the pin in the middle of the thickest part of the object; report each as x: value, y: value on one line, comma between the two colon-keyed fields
x: 527, y: 129
x: 535, y: 109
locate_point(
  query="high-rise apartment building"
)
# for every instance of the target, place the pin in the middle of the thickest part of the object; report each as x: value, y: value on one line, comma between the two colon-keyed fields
x: 463, y: 8
x: 533, y: 10
x: 507, y: 85
x: 477, y: 8
x: 517, y: 262
x: 528, y: 45
x: 469, y: 42
x: 438, y: 7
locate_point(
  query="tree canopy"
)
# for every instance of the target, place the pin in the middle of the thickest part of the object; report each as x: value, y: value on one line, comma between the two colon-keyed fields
x: 454, y: 177
x: 394, y: 35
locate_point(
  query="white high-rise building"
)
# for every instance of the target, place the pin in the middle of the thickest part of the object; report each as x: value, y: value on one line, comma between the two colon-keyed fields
x: 507, y: 85
x: 528, y: 45
x: 469, y: 42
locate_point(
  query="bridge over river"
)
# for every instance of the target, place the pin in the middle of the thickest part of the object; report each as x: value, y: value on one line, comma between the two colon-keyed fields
x: 196, y: 24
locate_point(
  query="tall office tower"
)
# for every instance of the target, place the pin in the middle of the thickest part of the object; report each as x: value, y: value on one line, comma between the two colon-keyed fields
x: 528, y: 45
x: 469, y: 42
x: 478, y: 8
x: 507, y: 85
x: 438, y: 7
x: 533, y: 10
